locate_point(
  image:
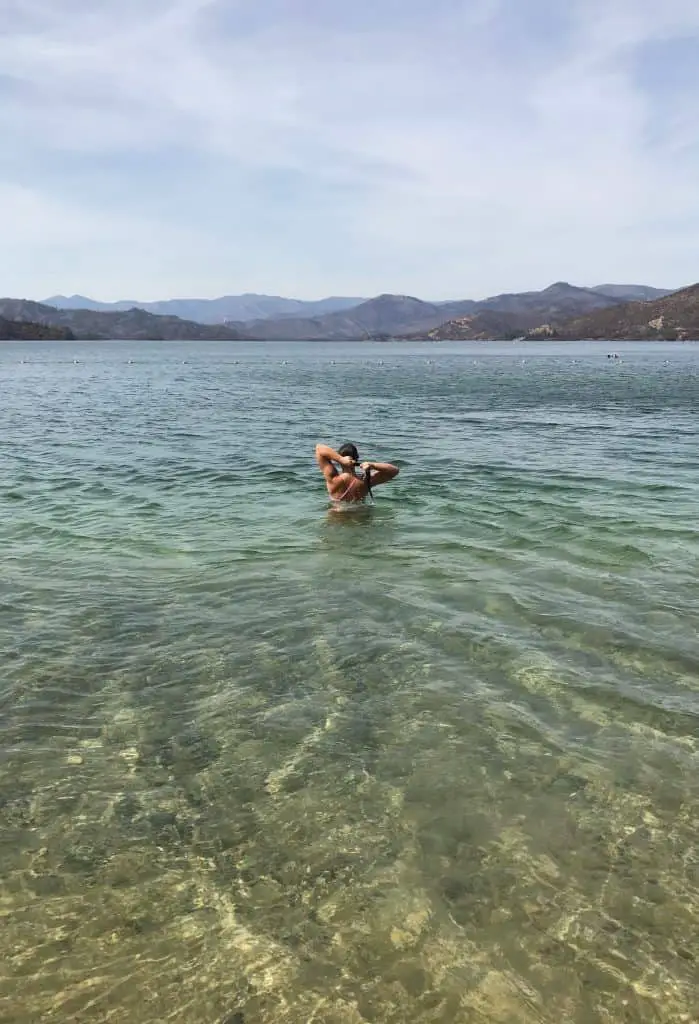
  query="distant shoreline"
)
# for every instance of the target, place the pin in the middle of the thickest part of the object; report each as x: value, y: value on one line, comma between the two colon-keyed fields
x: 338, y: 342
x: 561, y: 312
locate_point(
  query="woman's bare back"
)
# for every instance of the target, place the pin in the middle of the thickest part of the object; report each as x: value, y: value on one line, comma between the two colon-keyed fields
x: 343, y: 484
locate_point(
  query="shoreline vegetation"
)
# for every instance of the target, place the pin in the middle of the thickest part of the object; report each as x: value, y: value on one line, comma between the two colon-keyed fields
x: 561, y: 312
x: 20, y: 330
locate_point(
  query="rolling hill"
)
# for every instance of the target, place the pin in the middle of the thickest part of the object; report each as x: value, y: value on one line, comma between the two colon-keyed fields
x: 133, y: 324
x: 674, y: 318
x: 28, y: 330
x: 487, y: 325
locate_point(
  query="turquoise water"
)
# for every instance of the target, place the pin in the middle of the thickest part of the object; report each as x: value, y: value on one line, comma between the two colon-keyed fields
x: 433, y: 762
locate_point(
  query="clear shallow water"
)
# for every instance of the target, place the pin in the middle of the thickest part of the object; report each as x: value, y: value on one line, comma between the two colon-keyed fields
x: 436, y: 762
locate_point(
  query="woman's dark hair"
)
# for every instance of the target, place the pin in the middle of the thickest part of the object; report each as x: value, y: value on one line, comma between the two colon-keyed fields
x: 351, y: 450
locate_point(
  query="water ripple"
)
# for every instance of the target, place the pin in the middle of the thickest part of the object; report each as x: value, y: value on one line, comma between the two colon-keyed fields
x: 433, y: 762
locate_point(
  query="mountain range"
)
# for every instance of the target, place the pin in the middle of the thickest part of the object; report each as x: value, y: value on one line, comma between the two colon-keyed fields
x: 557, y: 311
x: 673, y: 318
x: 404, y: 316
x: 249, y: 308
x: 212, y: 311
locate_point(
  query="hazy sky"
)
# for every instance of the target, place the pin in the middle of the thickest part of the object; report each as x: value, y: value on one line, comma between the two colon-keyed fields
x: 442, y: 148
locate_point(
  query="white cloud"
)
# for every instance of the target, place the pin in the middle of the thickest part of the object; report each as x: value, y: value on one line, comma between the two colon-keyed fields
x: 351, y: 149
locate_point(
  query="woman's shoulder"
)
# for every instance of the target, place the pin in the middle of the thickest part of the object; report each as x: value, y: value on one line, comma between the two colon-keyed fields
x: 341, y: 479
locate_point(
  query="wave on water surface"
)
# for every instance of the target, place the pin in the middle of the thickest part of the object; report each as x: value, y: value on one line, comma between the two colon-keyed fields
x: 435, y: 761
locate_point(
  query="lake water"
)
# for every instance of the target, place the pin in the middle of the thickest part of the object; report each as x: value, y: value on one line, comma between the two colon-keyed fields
x: 434, y: 762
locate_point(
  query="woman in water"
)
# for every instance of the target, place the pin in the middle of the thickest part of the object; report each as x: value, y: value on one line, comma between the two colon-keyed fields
x: 344, y: 486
